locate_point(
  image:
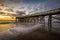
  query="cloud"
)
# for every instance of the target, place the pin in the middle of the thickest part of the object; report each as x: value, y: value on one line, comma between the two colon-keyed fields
x: 41, y: 6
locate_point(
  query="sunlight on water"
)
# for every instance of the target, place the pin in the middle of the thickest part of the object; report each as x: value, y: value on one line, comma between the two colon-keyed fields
x: 6, y: 26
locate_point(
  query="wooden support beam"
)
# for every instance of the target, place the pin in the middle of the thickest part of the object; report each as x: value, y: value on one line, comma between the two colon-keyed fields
x: 44, y: 21
x: 50, y: 23
x: 56, y: 18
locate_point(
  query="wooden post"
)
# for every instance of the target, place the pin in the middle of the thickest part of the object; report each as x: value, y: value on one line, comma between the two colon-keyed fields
x: 50, y: 23
x: 44, y: 22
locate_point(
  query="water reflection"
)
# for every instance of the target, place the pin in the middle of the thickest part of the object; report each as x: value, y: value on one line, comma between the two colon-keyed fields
x: 6, y: 26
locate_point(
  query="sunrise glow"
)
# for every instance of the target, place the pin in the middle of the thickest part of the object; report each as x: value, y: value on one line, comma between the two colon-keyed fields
x: 3, y: 18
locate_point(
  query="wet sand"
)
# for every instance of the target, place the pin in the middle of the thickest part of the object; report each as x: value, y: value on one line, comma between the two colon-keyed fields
x: 38, y: 35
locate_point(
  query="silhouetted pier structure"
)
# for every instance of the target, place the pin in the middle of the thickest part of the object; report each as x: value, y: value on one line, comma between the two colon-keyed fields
x: 39, y: 17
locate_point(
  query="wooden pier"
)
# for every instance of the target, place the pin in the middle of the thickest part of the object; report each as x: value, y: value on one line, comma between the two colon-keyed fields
x: 39, y: 17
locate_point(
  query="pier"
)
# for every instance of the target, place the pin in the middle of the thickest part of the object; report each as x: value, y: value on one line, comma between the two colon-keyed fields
x: 40, y: 17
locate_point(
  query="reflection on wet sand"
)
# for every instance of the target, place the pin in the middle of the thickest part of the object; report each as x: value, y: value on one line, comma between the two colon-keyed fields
x: 6, y: 26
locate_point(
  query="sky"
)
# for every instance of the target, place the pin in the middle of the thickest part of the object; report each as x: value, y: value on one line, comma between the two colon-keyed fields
x: 33, y: 5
